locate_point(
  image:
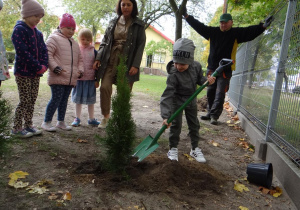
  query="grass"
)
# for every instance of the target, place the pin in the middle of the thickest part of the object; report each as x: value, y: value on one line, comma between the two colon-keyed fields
x: 154, y: 86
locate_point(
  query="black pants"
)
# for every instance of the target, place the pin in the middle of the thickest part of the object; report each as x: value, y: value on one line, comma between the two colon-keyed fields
x: 216, y: 96
x: 193, y: 125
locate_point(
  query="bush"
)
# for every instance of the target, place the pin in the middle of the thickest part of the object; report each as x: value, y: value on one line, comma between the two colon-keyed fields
x: 5, y: 120
x: 10, y: 57
x: 120, y: 131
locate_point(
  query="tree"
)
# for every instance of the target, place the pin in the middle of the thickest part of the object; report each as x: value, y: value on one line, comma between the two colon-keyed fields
x: 157, y: 47
x: 11, y: 12
x: 120, y: 131
x: 91, y: 13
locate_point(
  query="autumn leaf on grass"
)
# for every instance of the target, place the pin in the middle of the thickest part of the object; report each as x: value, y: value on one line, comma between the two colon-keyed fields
x: 82, y: 141
x: 20, y: 184
x: 189, y: 157
x: 67, y: 196
x: 243, y: 208
x: 15, y: 176
x: 240, y: 187
x: 37, y: 189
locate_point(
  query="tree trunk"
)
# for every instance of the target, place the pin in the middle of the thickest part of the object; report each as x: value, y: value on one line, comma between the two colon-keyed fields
x: 178, y: 15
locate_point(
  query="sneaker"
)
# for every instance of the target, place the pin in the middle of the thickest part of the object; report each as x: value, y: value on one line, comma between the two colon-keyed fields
x: 76, y: 122
x: 62, y: 125
x: 198, y: 155
x: 205, y: 117
x: 214, y: 121
x: 103, y: 123
x: 33, y: 130
x: 21, y: 134
x: 48, y: 127
x: 93, y: 122
x: 173, y: 154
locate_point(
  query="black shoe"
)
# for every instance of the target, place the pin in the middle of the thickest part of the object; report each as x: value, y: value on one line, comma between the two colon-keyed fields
x: 205, y: 117
x: 214, y: 121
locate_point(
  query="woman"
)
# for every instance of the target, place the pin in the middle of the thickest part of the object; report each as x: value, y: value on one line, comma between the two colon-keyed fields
x: 124, y: 35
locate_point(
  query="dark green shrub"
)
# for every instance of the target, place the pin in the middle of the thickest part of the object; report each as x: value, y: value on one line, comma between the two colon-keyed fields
x: 120, y: 131
x: 5, y: 120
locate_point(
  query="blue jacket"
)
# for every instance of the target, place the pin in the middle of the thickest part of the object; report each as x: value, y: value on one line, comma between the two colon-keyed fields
x: 31, y: 50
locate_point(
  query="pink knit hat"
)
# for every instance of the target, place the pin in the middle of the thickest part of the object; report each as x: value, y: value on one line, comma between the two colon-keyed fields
x: 67, y: 20
x: 31, y: 8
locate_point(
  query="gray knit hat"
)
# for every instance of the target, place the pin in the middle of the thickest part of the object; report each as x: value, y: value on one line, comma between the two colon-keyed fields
x: 183, y: 51
x: 31, y: 8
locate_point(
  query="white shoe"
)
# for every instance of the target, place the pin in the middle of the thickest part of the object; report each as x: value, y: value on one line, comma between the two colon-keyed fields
x: 62, y: 125
x: 48, y: 127
x: 103, y: 123
x: 173, y: 154
x: 198, y: 155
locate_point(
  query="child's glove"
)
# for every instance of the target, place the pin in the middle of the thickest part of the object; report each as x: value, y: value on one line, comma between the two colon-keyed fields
x: 57, y: 70
x: 80, y: 75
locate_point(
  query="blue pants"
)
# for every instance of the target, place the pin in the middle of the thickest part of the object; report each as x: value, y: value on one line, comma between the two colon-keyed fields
x: 59, y: 101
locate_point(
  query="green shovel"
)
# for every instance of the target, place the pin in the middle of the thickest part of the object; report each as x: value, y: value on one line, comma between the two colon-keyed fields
x: 149, y: 144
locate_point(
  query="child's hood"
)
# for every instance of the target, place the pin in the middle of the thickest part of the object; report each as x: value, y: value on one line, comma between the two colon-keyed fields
x: 21, y: 23
x: 171, y: 68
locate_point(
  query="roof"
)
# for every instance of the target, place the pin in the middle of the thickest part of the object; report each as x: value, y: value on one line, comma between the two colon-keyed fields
x: 161, y: 34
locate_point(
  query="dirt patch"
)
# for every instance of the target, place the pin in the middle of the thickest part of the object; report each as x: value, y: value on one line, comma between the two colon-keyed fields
x: 154, y: 183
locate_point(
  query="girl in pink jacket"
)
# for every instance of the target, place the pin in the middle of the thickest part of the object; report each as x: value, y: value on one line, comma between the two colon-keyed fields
x: 65, y: 67
x: 85, y: 90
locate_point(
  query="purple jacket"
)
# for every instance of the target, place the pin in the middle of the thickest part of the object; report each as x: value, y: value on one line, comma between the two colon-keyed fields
x: 31, y: 50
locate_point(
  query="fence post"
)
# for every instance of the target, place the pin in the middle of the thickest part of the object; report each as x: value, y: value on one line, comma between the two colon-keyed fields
x: 289, y: 20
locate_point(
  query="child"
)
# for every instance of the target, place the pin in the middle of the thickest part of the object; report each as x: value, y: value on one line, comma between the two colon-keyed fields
x: 85, y: 90
x: 184, y: 75
x: 30, y: 64
x: 4, y: 74
x: 65, y: 67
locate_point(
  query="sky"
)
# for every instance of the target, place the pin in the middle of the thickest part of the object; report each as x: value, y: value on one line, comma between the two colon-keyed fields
x: 57, y: 8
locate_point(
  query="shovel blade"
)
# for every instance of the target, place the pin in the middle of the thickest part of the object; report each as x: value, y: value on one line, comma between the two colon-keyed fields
x: 145, y: 148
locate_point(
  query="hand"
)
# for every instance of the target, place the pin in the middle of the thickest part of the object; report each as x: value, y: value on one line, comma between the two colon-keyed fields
x: 133, y: 71
x: 268, y: 21
x: 6, y: 74
x: 211, y: 80
x: 96, y: 65
x: 165, y: 122
x: 80, y: 75
x: 96, y: 84
x: 57, y: 70
x: 184, y: 11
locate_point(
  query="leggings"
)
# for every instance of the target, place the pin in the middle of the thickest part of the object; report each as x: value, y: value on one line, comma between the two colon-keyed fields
x: 59, y: 101
x: 28, y: 89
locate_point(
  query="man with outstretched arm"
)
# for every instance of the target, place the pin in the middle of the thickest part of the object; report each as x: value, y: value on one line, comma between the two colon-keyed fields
x: 223, y: 44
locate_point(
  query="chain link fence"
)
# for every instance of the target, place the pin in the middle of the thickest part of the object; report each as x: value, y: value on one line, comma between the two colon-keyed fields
x: 265, y: 87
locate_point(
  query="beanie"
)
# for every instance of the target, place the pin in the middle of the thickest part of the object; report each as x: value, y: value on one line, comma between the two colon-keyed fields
x: 67, y: 20
x: 183, y: 51
x: 31, y: 8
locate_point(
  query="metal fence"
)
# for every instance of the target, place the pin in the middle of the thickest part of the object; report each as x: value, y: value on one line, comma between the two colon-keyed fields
x: 265, y: 87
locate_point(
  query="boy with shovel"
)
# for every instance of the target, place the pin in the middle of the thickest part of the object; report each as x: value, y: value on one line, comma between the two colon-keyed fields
x: 184, y: 76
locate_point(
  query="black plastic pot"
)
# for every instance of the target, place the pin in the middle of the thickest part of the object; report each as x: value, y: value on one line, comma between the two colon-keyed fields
x: 260, y: 174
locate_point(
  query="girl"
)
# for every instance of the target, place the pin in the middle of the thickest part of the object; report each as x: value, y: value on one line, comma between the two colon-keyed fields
x: 65, y: 67
x: 30, y: 64
x: 124, y: 35
x: 85, y: 90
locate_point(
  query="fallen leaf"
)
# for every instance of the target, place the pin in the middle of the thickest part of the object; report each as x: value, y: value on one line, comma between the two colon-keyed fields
x: 145, y: 106
x: 230, y: 125
x: 235, y: 118
x: 276, y: 192
x: 228, y: 122
x: 189, y: 157
x: 225, y: 139
x: 243, y: 208
x: 37, y: 189
x: 237, y: 122
x: 240, y: 187
x: 215, y: 144
x: 15, y: 176
x: 52, y: 196
x: 67, y: 196
x: 264, y: 190
x: 20, y: 184
x: 242, y: 139
x: 82, y: 140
